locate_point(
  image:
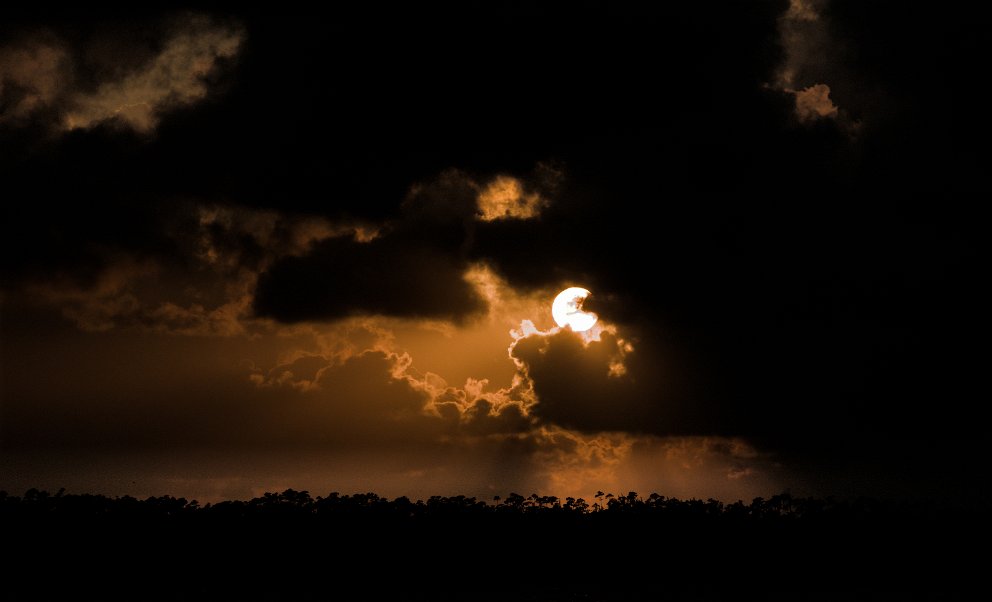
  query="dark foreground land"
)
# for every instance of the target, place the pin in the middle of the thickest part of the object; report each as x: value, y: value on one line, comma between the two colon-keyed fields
x: 291, y: 546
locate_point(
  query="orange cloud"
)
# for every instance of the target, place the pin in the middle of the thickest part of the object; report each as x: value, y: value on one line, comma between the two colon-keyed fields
x: 506, y: 198
x: 39, y: 80
x: 814, y: 103
x: 349, y: 405
x: 32, y: 76
x: 808, y: 49
x: 226, y: 246
x: 174, y: 78
x: 804, y: 39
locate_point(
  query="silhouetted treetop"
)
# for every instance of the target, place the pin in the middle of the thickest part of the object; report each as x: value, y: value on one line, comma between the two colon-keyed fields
x: 36, y: 503
x: 457, y: 544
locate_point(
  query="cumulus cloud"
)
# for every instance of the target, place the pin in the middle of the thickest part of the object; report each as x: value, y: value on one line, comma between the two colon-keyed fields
x: 589, y: 385
x: 226, y: 269
x: 505, y: 198
x: 420, y: 264
x: 41, y: 79
x: 229, y: 237
x: 223, y: 247
x: 814, y: 103
x: 342, y: 278
x: 810, y: 55
x: 416, y: 266
x: 377, y: 392
x: 373, y: 394
x: 349, y: 393
x: 778, y: 322
x: 473, y: 410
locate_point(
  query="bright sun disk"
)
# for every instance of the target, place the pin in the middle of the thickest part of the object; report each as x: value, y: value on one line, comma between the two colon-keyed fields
x: 567, y: 310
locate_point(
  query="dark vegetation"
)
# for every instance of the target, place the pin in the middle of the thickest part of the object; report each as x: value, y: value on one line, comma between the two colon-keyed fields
x: 292, y: 546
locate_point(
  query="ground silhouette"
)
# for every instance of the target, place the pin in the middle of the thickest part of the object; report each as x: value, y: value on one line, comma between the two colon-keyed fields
x: 291, y: 545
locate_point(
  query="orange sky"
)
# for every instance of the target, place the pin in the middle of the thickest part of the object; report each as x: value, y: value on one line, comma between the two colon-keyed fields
x: 365, y: 404
x: 244, y: 249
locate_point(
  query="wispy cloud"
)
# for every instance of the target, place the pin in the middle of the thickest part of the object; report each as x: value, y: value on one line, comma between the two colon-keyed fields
x: 40, y: 79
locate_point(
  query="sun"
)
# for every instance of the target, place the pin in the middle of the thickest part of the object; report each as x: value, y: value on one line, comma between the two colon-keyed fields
x: 567, y: 310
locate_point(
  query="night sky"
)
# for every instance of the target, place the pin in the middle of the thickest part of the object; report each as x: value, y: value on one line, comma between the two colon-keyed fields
x: 244, y: 251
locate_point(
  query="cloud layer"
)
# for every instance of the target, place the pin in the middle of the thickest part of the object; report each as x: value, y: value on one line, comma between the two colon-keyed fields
x: 216, y: 228
x: 40, y: 79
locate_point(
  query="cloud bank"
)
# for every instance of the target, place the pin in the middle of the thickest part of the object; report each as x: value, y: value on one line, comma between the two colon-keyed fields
x: 40, y: 78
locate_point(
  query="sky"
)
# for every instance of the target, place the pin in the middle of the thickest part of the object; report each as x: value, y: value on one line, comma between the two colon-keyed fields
x: 249, y: 250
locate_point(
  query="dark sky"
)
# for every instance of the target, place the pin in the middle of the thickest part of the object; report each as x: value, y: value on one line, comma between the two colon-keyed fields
x: 286, y: 248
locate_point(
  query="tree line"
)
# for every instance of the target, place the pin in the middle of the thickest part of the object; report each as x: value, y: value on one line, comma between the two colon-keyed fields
x: 292, y: 544
x: 40, y: 503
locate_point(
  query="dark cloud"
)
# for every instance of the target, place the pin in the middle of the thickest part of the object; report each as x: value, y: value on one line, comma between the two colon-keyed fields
x: 368, y: 384
x: 275, y: 134
x: 576, y: 388
x: 818, y: 289
x: 301, y: 373
x: 904, y: 71
x: 780, y: 278
x: 414, y: 268
x: 79, y: 105
x: 610, y: 384
x: 116, y: 78
x: 484, y: 418
x: 789, y: 324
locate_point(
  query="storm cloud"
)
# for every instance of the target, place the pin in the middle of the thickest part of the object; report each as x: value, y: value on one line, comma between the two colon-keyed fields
x: 246, y: 230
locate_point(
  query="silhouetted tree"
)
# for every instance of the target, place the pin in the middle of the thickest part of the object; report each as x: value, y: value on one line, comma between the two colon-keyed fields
x: 792, y: 541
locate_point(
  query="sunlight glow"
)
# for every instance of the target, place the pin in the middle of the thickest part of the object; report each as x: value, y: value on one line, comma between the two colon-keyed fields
x: 567, y: 310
